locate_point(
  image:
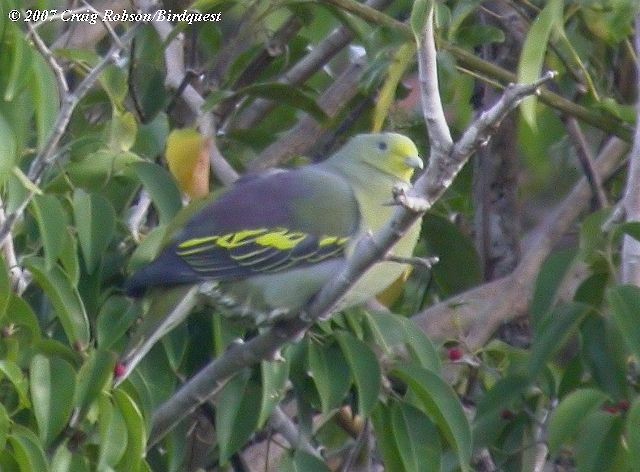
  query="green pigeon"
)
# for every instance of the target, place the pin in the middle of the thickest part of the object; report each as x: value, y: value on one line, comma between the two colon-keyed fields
x: 273, y: 239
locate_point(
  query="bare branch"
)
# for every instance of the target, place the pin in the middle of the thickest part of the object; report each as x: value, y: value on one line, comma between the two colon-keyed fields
x: 305, y: 68
x: 18, y: 276
x: 468, y: 60
x: 297, y: 141
x: 439, y: 135
x: 47, y: 154
x: 63, y: 87
x: 174, y: 58
x: 282, y: 424
x: 631, y: 246
x: 475, y: 314
x: 367, y: 251
x: 585, y: 156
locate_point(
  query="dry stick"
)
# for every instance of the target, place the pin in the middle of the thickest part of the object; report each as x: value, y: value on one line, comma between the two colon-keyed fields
x: 297, y: 141
x: 475, y: 314
x: 47, y: 155
x: 585, y: 156
x: 282, y: 424
x: 17, y: 276
x: 304, y: 69
x: 174, y: 58
x: 63, y: 86
x: 630, y: 246
x: 368, y: 250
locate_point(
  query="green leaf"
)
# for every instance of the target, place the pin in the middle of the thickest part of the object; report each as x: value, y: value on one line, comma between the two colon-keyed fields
x: 161, y: 187
x: 402, y: 59
x: 330, y: 372
x: 64, y: 297
x: 13, y: 373
x: 51, y: 219
x: 566, y: 420
x: 46, y: 97
x: 533, y: 52
x: 633, y: 434
x: 21, y: 56
x: 114, y: 82
x: 136, y: 436
x: 237, y: 413
x: 302, y: 462
x: 364, y: 369
x: 506, y: 394
x: 416, y: 437
x: 5, y: 288
x: 598, y: 442
x: 381, y: 419
x: 52, y: 388
x: 95, y: 221
x: 94, y: 170
x: 625, y: 306
x: 274, y: 379
x: 631, y: 228
x: 122, y: 131
x: 420, y: 346
x: 66, y: 461
x: 94, y: 377
x: 5, y: 423
x: 116, y: 316
x: 69, y: 257
x: 27, y: 450
x: 441, y: 403
x: 420, y: 13
x: 8, y: 149
x: 603, y: 353
x: 112, y: 431
x: 282, y: 93
x: 554, y: 329
x: 549, y: 278
x: 455, y: 250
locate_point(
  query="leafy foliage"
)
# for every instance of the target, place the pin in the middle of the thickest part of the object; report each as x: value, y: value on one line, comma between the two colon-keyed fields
x: 105, y: 202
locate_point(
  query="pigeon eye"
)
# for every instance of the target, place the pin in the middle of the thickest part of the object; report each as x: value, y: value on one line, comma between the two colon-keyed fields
x: 382, y: 146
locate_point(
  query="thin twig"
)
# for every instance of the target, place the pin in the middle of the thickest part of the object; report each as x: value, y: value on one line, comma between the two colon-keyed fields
x: 18, y: 276
x: 585, y: 156
x: 63, y: 86
x: 174, y: 58
x: 282, y: 424
x: 47, y: 154
x: 471, y: 61
x: 304, y: 69
x: 301, y: 137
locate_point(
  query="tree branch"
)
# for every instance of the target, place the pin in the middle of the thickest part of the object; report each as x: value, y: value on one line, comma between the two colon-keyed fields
x: 631, y: 246
x: 302, y: 136
x: 174, y: 58
x: 46, y: 156
x: 475, y: 314
x: 472, y: 62
x: 304, y: 69
x: 368, y: 250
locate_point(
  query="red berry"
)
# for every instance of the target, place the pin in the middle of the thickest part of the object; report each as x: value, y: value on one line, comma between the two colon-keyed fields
x: 623, y: 405
x: 119, y: 370
x: 613, y: 409
x: 506, y: 415
x: 455, y: 354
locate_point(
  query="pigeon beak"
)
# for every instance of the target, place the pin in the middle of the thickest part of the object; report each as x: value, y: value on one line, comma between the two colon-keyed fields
x: 414, y: 162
